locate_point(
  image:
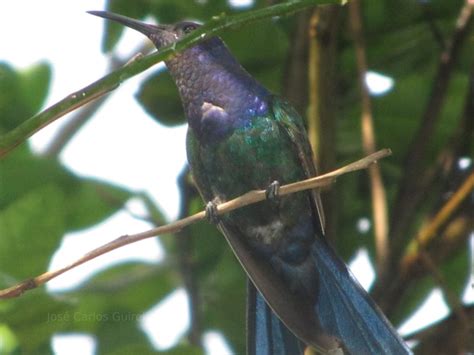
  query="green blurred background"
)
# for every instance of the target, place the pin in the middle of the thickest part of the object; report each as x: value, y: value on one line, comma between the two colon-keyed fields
x: 425, y: 115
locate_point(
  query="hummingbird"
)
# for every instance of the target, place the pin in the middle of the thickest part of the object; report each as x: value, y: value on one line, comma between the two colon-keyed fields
x: 242, y: 137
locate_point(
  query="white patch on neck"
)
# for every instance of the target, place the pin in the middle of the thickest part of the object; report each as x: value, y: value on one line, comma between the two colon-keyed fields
x: 210, y: 110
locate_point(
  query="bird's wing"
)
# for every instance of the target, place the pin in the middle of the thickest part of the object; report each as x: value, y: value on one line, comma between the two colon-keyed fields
x: 295, y: 310
x: 291, y: 122
x: 198, y: 172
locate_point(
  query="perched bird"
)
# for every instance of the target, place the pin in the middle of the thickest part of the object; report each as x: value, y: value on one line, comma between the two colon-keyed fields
x: 241, y: 137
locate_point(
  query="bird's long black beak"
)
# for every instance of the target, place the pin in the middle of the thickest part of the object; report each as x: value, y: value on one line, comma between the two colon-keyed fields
x: 139, y: 26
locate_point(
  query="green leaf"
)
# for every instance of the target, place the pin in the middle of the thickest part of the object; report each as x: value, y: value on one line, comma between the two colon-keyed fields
x: 154, y: 212
x: 93, y: 201
x: 118, y: 328
x: 397, y: 113
x: 412, y: 299
x: 111, y: 304
x: 22, y: 172
x: 32, y: 228
x: 22, y: 93
x: 349, y: 239
x: 184, y: 349
x: 224, y: 297
x: 34, y: 84
x: 264, y: 55
x: 34, y: 318
x: 132, y: 286
x: 8, y: 340
x: 456, y: 272
x: 88, y: 201
x: 222, y: 284
x: 10, y: 99
x: 159, y: 97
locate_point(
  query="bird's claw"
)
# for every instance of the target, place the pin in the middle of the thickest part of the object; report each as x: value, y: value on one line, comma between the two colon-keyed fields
x: 272, y: 191
x: 211, y: 212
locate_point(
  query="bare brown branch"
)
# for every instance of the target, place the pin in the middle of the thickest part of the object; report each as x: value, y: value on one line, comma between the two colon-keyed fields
x: 379, y: 199
x: 436, y: 242
x: 295, y: 84
x: 86, y: 112
x: 429, y: 232
x: 406, y: 201
x: 241, y: 201
x: 322, y: 79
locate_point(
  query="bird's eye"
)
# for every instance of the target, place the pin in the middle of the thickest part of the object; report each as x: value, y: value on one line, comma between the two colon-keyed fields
x: 189, y: 28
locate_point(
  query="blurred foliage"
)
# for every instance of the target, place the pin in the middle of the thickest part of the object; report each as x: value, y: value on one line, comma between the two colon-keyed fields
x: 23, y: 93
x: 40, y: 200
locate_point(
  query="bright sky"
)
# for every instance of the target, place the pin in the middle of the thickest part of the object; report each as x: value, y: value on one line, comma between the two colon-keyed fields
x: 122, y: 145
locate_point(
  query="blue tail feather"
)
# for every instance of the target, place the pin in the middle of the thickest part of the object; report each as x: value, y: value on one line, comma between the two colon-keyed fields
x: 347, y: 312
x: 266, y: 334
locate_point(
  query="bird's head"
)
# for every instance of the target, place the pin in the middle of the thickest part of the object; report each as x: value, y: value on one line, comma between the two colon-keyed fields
x: 160, y: 35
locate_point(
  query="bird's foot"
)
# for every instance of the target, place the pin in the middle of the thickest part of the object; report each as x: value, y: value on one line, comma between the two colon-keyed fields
x: 211, y: 212
x: 272, y: 191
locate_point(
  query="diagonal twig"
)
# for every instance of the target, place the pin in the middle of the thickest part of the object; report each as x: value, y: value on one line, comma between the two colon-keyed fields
x: 428, y: 233
x: 82, y: 116
x: 407, y: 198
x: 415, y: 264
x: 239, y: 202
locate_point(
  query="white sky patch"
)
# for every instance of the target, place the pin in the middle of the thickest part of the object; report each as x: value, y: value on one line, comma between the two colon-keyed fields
x: 468, y: 296
x: 75, y: 343
x: 124, y: 146
x: 464, y: 163
x: 363, y: 225
x: 215, y: 344
x: 433, y: 309
x: 166, y: 322
x: 378, y: 84
x: 241, y: 3
x: 75, y: 245
x: 362, y: 268
x: 57, y: 31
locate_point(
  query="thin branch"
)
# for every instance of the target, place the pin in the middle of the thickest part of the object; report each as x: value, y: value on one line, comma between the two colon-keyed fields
x: 428, y: 233
x: 427, y: 8
x: 452, y: 298
x: 66, y: 132
x: 458, y: 145
x: 322, y: 78
x: 379, y: 199
x: 81, y: 117
x: 451, y: 241
x: 409, y: 186
x: 294, y: 85
x: 314, y: 72
x: 414, y: 263
x: 244, y: 200
x: 110, y: 82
